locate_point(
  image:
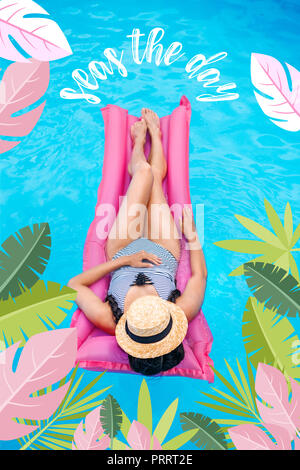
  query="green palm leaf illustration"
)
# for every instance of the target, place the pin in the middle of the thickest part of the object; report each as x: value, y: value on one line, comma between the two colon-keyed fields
x: 118, y: 445
x: 274, y: 286
x: 180, y: 440
x: 166, y: 421
x: 274, y: 248
x: 144, y: 414
x: 24, y: 257
x: 56, y: 432
x: 209, y: 435
x: 125, y: 426
x: 288, y: 222
x: 111, y: 417
x: 36, y: 310
x: 276, y: 223
x: 239, y: 398
x: 269, y: 338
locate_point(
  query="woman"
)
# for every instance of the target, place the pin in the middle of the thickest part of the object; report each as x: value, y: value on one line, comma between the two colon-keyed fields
x: 143, y: 308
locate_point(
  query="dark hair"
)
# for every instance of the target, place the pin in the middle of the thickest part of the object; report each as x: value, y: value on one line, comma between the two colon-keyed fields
x: 151, y: 366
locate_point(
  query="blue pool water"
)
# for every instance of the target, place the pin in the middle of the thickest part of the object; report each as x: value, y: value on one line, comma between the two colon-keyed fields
x: 237, y: 156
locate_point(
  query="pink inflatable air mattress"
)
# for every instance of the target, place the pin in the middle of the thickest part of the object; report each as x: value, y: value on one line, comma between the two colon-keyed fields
x: 98, y: 350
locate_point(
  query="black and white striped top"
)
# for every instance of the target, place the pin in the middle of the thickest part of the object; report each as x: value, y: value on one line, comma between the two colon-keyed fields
x: 162, y: 276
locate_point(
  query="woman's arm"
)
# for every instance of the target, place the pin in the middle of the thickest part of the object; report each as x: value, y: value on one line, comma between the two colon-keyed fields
x: 94, y: 274
x: 192, y: 297
x: 99, y: 312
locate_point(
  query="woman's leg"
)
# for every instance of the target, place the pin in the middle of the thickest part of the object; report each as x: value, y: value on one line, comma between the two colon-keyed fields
x: 130, y: 221
x: 161, y: 226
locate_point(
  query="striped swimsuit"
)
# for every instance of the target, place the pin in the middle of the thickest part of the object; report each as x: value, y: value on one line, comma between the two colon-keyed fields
x: 161, y: 276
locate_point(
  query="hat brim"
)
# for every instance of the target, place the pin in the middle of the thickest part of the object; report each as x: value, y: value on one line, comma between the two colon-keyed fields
x: 164, y: 346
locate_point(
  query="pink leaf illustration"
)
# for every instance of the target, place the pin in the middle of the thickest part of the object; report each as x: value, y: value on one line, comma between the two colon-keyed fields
x: 138, y: 436
x: 40, y: 38
x: 297, y: 443
x: 156, y: 444
x: 22, y: 85
x: 46, y: 359
x: 88, y: 439
x: 277, y: 90
x: 5, y: 145
x: 271, y: 386
x: 280, y: 435
x: 250, y: 437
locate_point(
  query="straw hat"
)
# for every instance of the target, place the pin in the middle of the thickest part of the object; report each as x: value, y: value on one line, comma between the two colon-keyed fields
x: 151, y: 327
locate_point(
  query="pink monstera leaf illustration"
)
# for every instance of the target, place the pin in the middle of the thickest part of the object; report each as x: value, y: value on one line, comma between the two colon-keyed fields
x: 271, y: 386
x: 92, y: 437
x: 277, y: 90
x: 279, y: 412
x: 25, y: 24
x: 21, y: 86
x: 46, y: 358
x: 139, y: 437
x: 251, y: 437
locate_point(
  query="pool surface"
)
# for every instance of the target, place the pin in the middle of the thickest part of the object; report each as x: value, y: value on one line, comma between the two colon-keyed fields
x: 237, y: 156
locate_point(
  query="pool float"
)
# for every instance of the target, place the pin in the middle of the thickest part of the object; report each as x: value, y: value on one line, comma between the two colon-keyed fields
x: 98, y: 350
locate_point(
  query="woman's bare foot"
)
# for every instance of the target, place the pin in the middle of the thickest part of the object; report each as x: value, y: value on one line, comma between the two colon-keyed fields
x: 156, y: 157
x: 152, y: 121
x: 138, y: 131
x: 138, y: 134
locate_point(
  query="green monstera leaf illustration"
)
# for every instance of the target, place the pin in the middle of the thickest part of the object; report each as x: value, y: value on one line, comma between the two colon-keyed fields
x: 270, y: 338
x: 274, y: 248
x: 274, y: 286
x: 36, y: 310
x: 24, y: 257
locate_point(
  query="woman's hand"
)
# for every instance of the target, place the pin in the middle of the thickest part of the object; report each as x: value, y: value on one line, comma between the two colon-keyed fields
x: 136, y: 259
x: 187, y: 225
